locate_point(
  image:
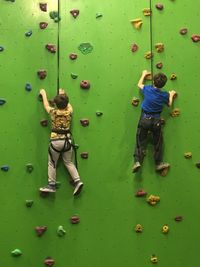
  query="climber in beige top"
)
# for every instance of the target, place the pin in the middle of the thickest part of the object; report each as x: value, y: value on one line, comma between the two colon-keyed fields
x: 60, y: 140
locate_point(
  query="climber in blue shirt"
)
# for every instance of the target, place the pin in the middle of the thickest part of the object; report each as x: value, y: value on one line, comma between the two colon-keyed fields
x: 150, y: 121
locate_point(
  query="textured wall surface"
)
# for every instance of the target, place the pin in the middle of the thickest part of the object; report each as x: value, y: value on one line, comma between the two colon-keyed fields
x: 107, y: 207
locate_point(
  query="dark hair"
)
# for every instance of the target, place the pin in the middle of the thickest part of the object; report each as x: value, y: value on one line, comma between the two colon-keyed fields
x: 159, y: 80
x: 61, y: 101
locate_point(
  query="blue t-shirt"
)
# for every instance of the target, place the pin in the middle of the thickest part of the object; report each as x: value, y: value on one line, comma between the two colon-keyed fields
x: 154, y: 99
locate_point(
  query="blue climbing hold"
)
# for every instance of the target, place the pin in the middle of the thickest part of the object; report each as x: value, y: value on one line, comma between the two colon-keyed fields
x: 2, y: 101
x: 28, y: 87
x: 29, y: 33
x: 5, y: 168
x: 1, y: 48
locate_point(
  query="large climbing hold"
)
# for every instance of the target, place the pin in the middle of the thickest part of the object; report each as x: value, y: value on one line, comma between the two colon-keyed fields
x: 85, y: 48
x: 137, y: 23
x: 43, y: 25
x: 153, y: 200
x: 16, y: 252
x: 159, y: 47
x: 85, y: 84
x: 49, y: 262
x: 43, y: 7
x: 42, y: 74
x: 2, y: 101
x: 51, y: 48
x: 40, y: 230
x: 74, y: 13
x: 195, y: 38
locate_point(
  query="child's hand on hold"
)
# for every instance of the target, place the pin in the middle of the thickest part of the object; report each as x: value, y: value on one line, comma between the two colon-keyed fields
x: 173, y: 93
x: 146, y: 73
x: 42, y: 92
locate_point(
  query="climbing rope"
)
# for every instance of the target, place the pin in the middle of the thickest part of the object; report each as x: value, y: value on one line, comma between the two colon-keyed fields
x: 151, y: 38
x: 58, y: 49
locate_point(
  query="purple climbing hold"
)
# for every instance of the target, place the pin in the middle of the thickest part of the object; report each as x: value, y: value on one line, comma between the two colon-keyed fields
x: 40, y: 230
x: 42, y: 74
x: 84, y: 122
x: 49, y: 262
x: 85, y: 84
x: 43, y: 25
x: 44, y: 123
x: 28, y: 33
x: 2, y: 101
x: 51, y: 48
x: 5, y: 168
x: 43, y: 6
x: 159, y: 6
x: 75, y: 13
x: 84, y: 155
x: 73, y: 56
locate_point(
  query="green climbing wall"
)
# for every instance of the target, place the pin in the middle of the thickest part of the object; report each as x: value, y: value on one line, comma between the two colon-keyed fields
x: 107, y: 207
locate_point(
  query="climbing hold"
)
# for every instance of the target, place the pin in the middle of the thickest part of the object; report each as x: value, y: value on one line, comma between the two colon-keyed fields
x: 29, y: 167
x: 188, y: 155
x: 198, y: 165
x: 165, y: 229
x: 61, y: 231
x: 195, y: 38
x: 55, y: 16
x: 147, y: 12
x: 29, y: 33
x: 1, y: 48
x: 183, y: 31
x: 159, y: 47
x: 148, y: 55
x: 162, y: 121
x: 99, y: 113
x: 29, y: 203
x: 99, y: 15
x: 85, y: 48
x: 173, y: 77
x: 137, y: 23
x: 134, y: 48
x: 16, y: 252
x: 42, y: 74
x: 51, y: 48
x: 159, y: 65
x: 153, y: 200
x: 10, y: 1
x: 138, y: 228
x: 85, y: 84
x: 159, y: 6
x: 84, y: 155
x: 43, y: 25
x: 28, y: 87
x: 74, y: 76
x: 40, y: 230
x: 175, y: 112
x: 44, y: 123
x: 49, y: 262
x: 2, y: 101
x: 135, y: 101
x: 140, y: 193
x: 154, y: 259
x: 178, y: 218
x: 76, y: 146
x: 75, y: 219
x: 75, y: 13
x: 58, y: 184
x: 5, y: 168
x: 84, y: 122
x: 73, y: 56
x: 43, y: 6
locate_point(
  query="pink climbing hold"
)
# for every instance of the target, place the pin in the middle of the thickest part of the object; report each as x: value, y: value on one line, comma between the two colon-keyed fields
x: 134, y: 48
x: 84, y: 155
x: 49, y: 262
x: 159, y: 6
x: 85, y: 84
x: 42, y: 74
x: 43, y: 25
x: 84, y: 122
x: 75, y: 13
x: 195, y: 38
x: 40, y: 230
x: 51, y: 48
x: 73, y: 56
x: 141, y: 193
x: 43, y: 6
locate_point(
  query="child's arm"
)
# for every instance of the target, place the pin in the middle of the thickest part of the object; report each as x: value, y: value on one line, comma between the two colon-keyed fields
x: 142, y: 78
x: 45, y: 100
x: 172, y: 95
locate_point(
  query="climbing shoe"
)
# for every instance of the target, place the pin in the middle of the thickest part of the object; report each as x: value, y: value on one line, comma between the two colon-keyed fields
x: 162, y: 166
x: 136, y: 166
x: 78, y: 188
x: 49, y: 188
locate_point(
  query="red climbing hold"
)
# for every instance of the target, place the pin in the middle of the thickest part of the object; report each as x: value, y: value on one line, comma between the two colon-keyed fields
x: 75, y: 219
x: 43, y: 25
x: 84, y: 122
x: 85, y: 84
x: 40, y: 230
x: 49, y: 262
x: 141, y: 193
x: 43, y: 6
x: 73, y: 56
x: 51, y: 48
x: 195, y: 38
x: 134, y: 48
x: 84, y: 155
x: 75, y: 13
x: 159, y: 6
x: 42, y: 74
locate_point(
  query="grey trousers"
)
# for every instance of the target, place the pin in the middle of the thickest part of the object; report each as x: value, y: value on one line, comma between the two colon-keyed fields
x: 54, y: 154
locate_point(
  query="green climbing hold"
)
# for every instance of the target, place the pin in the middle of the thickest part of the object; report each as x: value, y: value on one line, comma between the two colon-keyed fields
x: 29, y: 167
x: 74, y: 76
x: 55, y: 16
x: 99, y: 15
x: 61, y: 231
x: 58, y: 184
x: 16, y: 253
x: 29, y: 203
x: 85, y: 48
